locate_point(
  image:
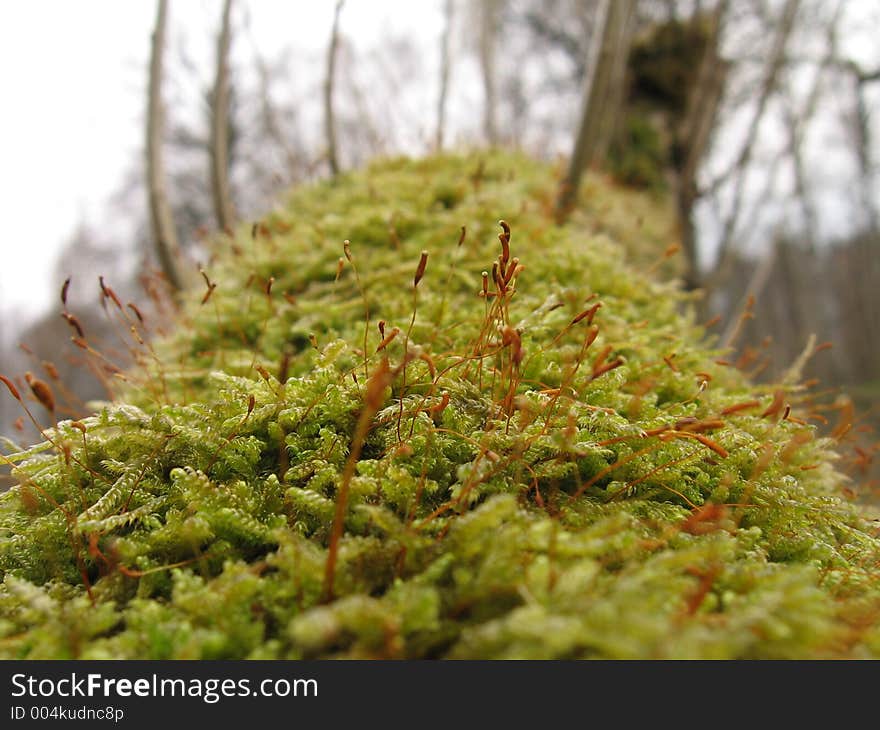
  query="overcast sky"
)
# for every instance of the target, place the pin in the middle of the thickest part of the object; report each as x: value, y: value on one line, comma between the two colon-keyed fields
x: 71, y: 76
x: 74, y: 78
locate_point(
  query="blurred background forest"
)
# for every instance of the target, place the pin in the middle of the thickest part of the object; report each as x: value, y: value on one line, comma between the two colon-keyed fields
x: 755, y: 122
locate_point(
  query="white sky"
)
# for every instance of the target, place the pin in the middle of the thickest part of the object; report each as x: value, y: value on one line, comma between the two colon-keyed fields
x: 62, y: 139
x: 73, y: 78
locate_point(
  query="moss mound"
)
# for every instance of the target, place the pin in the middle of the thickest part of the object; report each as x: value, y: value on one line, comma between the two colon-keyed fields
x: 337, y: 457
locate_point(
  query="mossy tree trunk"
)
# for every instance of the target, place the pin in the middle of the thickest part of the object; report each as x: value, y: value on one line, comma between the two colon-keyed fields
x: 603, y: 98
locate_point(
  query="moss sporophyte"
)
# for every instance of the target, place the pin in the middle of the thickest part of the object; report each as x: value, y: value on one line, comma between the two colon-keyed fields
x: 446, y: 438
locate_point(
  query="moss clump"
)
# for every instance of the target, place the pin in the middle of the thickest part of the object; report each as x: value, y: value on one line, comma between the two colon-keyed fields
x: 638, y: 155
x: 552, y: 464
x: 664, y: 62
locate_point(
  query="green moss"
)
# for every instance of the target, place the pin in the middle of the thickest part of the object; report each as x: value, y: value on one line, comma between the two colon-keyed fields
x: 662, y: 72
x: 638, y: 155
x: 664, y: 62
x: 529, y: 486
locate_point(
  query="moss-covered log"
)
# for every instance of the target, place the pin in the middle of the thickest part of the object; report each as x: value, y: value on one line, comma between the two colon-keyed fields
x: 560, y: 463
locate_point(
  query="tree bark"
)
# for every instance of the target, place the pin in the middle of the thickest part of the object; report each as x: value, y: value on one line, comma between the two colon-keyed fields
x: 693, y: 137
x: 862, y: 144
x: 603, y: 96
x: 220, y: 129
x: 444, y: 74
x: 615, y: 59
x: 329, y: 120
x: 488, y: 21
x: 161, y: 219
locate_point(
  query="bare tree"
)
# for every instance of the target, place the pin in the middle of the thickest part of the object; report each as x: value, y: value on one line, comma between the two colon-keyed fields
x: 220, y: 128
x: 861, y: 140
x: 797, y: 119
x: 568, y: 26
x: 694, y: 133
x: 329, y: 121
x: 445, y: 63
x: 162, y: 223
x: 769, y: 85
x: 612, y: 74
x: 602, y: 98
x: 489, y: 16
x: 276, y: 154
x: 272, y: 124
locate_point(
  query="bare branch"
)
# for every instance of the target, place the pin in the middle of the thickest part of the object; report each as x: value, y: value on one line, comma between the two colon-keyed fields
x: 768, y: 87
x: 755, y: 286
x: 798, y: 123
x: 863, y: 76
x: 272, y: 124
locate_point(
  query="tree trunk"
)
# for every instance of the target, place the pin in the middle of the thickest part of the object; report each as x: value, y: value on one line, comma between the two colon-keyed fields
x: 329, y: 121
x: 693, y: 137
x: 161, y: 219
x: 615, y: 59
x: 220, y: 129
x: 444, y: 74
x: 488, y: 29
x: 863, y: 144
x: 603, y: 97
